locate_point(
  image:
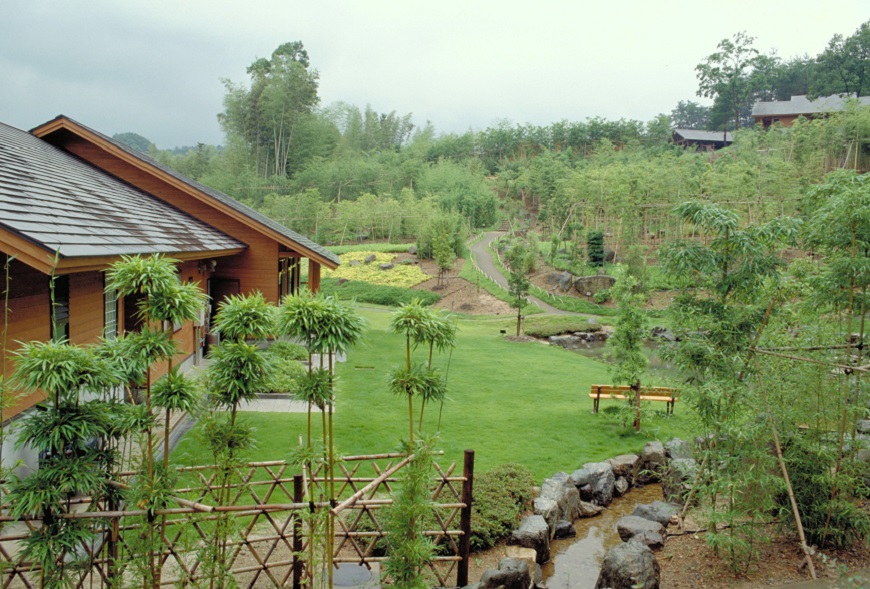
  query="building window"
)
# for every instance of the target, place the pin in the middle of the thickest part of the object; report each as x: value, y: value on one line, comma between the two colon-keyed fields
x: 60, y: 307
x: 110, y: 317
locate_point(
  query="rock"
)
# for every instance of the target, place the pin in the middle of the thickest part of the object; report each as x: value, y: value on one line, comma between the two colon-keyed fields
x: 864, y: 426
x: 586, y: 493
x: 602, y: 480
x: 631, y: 525
x: 609, y: 255
x: 652, y: 463
x: 370, y: 258
x: 592, y: 321
x: 678, y: 448
x: 581, y: 477
x: 589, y: 509
x: 549, y: 510
x: 678, y: 479
x: 527, y: 555
x: 533, y: 533
x: 657, y: 511
x: 564, y: 493
x: 629, y: 566
x: 565, y: 280
x: 385, y: 266
x: 662, y: 333
x: 569, y: 342
x: 621, y: 486
x: 354, y: 263
x: 341, y: 281
x: 625, y: 465
x: 565, y: 529
x: 592, y: 284
x: 511, y: 573
x: 412, y: 250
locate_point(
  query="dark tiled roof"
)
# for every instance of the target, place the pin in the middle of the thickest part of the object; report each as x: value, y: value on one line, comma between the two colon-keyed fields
x: 64, y: 204
x: 218, y: 196
x: 696, y: 135
x: 801, y: 105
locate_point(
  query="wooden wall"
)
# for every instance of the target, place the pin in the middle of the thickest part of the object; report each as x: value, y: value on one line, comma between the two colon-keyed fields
x: 86, y: 308
x: 29, y: 319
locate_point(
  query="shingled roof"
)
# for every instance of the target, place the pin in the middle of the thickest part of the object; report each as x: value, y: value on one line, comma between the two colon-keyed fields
x: 801, y: 105
x: 62, y: 204
x: 299, y: 240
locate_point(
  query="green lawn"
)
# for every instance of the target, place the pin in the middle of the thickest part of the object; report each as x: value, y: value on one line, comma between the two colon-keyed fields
x: 510, y: 402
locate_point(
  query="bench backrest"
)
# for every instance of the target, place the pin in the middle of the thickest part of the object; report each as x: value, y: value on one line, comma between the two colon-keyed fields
x: 607, y: 389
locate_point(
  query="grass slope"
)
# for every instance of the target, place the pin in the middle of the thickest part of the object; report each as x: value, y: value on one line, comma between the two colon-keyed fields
x: 510, y: 402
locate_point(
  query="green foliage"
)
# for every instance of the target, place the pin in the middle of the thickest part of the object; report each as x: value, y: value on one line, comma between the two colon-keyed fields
x: 602, y: 296
x: 242, y: 317
x: 287, y: 351
x: 175, y: 392
x: 595, y: 249
x: 409, y: 550
x: 284, y: 375
x: 354, y: 267
x: 365, y: 292
x: 448, y: 223
x: 237, y: 372
x: 142, y: 275
x: 501, y: 495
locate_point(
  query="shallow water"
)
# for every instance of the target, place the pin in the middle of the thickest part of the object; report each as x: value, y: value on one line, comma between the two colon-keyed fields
x: 657, y: 367
x: 575, y: 562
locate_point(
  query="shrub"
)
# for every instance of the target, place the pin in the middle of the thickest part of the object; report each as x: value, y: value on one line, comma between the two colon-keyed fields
x: 283, y: 375
x: 602, y: 296
x: 288, y: 351
x: 500, y: 497
x: 364, y: 292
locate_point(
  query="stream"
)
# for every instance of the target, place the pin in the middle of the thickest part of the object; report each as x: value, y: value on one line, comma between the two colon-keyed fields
x: 575, y: 562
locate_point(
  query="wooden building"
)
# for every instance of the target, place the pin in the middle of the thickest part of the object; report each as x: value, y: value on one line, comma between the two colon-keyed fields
x: 73, y: 201
x: 701, y: 140
x: 786, y: 112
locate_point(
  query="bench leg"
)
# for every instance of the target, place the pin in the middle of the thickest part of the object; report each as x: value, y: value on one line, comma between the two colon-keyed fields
x: 595, y: 404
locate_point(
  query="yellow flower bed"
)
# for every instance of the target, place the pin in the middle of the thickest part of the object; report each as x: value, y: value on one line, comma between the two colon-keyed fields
x: 399, y: 275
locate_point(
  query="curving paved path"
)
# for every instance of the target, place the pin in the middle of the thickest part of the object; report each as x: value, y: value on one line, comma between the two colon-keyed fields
x: 483, y: 258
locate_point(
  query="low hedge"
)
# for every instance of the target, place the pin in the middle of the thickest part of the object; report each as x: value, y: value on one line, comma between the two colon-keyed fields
x: 364, y: 292
x: 501, y: 495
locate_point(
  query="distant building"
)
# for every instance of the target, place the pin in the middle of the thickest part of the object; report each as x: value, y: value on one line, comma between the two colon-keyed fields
x: 785, y: 112
x: 702, y: 140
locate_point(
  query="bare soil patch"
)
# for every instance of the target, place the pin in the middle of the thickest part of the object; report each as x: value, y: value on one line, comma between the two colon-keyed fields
x: 460, y: 296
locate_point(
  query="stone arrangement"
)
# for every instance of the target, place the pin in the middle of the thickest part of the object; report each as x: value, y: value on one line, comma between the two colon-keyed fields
x: 587, y: 492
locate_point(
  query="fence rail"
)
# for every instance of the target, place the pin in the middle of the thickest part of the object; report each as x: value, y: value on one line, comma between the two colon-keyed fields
x: 267, y: 511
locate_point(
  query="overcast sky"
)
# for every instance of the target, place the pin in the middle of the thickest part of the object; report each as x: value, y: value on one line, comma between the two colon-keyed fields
x: 155, y: 67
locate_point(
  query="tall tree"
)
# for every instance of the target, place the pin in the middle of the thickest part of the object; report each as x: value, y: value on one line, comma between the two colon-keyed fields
x: 726, y: 76
x: 267, y: 116
x: 844, y: 65
x: 690, y: 115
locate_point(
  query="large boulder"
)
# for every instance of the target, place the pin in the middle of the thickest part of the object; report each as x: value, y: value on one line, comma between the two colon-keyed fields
x: 599, y: 477
x: 370, y: 258
x: 560, y: 489
x: 643, y: 530
x: 534, y: 532
x: 625, y: 465
x: 657, y: 511
x: 549, y: 510
x: 678, y: 448
x: 512, y: 573
x: 629, y: 566
x: 592, y: 284
x: 652, y: 463
x: 678, y: 479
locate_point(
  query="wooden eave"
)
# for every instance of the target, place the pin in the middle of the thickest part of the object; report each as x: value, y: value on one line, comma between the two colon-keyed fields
x: 48, y: 262
x: 64, y: 124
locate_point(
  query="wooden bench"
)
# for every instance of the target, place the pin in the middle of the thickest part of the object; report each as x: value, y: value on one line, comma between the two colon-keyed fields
x: 605, y: 391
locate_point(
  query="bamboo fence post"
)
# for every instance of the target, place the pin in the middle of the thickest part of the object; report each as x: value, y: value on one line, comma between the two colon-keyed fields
x: 298, y: 496
x: 465, y: 519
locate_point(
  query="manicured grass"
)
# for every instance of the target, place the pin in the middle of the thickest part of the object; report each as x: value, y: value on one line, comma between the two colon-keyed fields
x: 376, y: 294
x: 510, y: 402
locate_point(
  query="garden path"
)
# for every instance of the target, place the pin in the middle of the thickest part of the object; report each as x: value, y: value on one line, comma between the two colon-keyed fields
x: 483, y: 258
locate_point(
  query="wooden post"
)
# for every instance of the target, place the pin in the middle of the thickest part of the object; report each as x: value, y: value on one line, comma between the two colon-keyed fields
x: 465, y: 519
x: 298, y: 496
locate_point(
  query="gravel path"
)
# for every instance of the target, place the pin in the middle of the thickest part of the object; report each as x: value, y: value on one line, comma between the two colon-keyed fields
x: 483, y: 258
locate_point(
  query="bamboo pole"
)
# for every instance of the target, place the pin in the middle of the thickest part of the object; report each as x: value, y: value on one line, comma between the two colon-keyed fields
x: 372, y: 485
